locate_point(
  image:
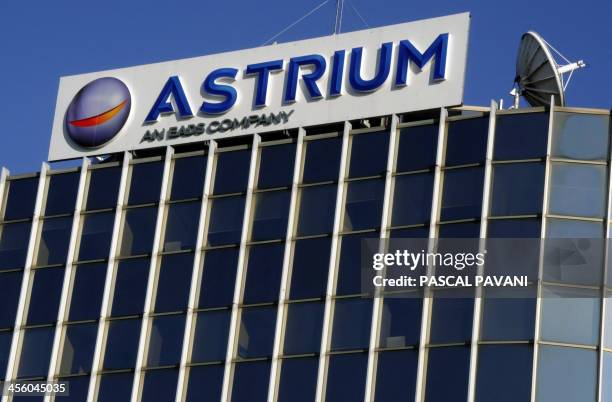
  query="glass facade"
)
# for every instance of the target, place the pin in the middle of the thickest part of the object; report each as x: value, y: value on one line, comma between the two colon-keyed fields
x: 232, y: 273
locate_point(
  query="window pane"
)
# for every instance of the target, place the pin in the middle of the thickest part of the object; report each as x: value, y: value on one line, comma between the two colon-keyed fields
x: 61, y: 193
x: 566, y: 375
x: 451, y: 317
x: 606, y: 391
x: 138, y: 231
x: 78, y: 348
x: 517, y: 228
x: 232, y: 172
x: 225, y: 222
x: 188, y: 178
x: 369, y: 154
x: 115, y: 387
x: 410, y: 233
x: 276, y: 166
x: 417, y: 148
x: 263, y: 273
x: 79, y: 387
x: 508, y: 314
x: 182, y: 226
x: 412, y: 199
x: 303, y: 328
x: 256, y: 332
x: 173, y: 283
x: 218, y: 278
x: 462, y: 194
x: 36, y: 352
x: 310, y: 267
x: 166, y: 340
x: 608, y: 322
x: 96, y: 234
x: 349, y: 280
x: 270, y: 213
x: 447, y: 374
x: 10, y: 287
x: 122, y: 344
x: 317, y: 206
x: 507, y: 382
x: 298, y: 380
x: 352, y: 319
x: 205, y: 383
x: 251, y: 382
x: 466, y: 141
x: 145, y: 182
x: 580, y: 136
x: 578, y: 190
x: 396, y: 376
x: 130, y: 287
x: 87, y: 292
x: 211, y: 332
x: 346, y: 377
x: 5, y: 349
x: 520, y: 136
x: 159, y: 385
x: 103, y: 188
x: 14, y: 240
x: 364, y: 201
x: 459, y: 230
x: 54, y: 239
x: 570, y: 315
x: 573, y: 229
x: 45, y: 296
x: 517, y: 189
x: 322, y: 160
x: 401, y: 321
x: 574, y: 261
x: 21, y: 198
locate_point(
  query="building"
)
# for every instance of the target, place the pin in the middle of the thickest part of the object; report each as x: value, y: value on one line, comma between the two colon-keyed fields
x: 227, y: 269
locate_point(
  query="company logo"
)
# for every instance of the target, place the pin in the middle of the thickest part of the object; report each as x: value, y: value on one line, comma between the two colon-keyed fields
x: 97, y: 112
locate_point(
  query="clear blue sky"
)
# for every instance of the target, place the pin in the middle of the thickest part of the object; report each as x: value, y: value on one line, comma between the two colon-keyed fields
x: 43, y: 40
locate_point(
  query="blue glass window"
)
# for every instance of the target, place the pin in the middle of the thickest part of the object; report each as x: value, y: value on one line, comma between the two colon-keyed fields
x: 322, y: 160
x: 146, y: 179
x: 369, y: 154
x: 303, y: 328
x: 417, y: 148
x: 188, y: 178
x: 211, y: 332
x: 225, y: 221
x: 103, y: 188
x: 61, y: 193
x: 298, y: 380
x: 21, y: 198
x: 412, y: 199
x: 263, y: 273
x: 256, y: 332
x: 232, y: 171
x: 182, y: 226
x: 218, y: 278
x: 276, y: 166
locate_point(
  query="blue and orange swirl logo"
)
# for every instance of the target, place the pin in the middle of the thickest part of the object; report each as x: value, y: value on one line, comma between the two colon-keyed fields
x: 97, y: 112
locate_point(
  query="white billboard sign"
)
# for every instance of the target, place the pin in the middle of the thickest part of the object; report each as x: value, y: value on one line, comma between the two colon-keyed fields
x: 393, y: 69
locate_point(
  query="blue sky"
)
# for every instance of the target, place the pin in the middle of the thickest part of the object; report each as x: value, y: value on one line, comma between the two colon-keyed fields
x: 42, y: 41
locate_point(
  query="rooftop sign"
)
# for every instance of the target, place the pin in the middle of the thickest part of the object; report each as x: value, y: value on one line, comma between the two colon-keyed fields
x: 394, y: 69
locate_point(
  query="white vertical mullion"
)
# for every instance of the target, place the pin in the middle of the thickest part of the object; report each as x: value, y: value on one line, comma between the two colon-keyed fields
x: 545, y: 200
x: 436, y: 202
x: 478, y: 301
x: 195, y: 276
x: 11, y: 371
x: 246, y: 222
x: 4, y: 173
x: 152, y: 281
x: 331, y: 276
x: 285, y: 277
x: 63, y: 307
x: 604, y: 281
x: 378, y: 299
x: 105, y: 309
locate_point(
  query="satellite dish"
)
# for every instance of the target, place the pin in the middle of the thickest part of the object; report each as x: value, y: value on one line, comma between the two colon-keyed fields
x: 538, y: 75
